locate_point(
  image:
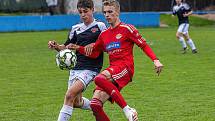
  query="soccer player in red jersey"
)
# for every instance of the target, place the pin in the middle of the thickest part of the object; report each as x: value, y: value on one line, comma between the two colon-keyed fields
x: 118, y: 41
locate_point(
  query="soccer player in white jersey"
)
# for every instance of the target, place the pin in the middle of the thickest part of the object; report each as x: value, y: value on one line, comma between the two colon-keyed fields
x: 183, y: 11
x: 86, y: 68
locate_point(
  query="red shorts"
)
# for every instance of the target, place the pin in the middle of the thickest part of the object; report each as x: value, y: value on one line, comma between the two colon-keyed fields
x: 120, y: 75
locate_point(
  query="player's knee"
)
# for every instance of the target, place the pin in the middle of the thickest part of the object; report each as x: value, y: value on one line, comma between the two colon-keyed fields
x: 70, y: 96
x: 96, y: 105
x: 186, y: 37
x: 177, y: 35
x: 77, y: 103
x: 98, y: 79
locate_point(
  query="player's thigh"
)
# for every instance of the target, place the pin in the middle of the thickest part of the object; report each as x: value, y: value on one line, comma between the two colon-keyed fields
x: 101, y: 95
x: 75, y: 89
x: 84, y: 76
x: 181, y: 28
x: 179, y: 34
x: 120, y: 75
x: 107, y: 74
x: 186, y: 36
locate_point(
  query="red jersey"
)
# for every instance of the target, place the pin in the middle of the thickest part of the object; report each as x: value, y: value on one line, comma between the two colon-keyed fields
x: 118, y: 42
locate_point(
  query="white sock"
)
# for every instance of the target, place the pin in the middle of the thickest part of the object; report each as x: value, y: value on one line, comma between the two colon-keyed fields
x: 192, y: 45
x: 86, y: 104
x: 126, y: 110
x: 65, y: 113
x: 182, y: 41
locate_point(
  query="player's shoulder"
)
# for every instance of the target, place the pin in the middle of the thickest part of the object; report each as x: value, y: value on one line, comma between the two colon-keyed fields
x: 128, y: 27
x: 186, y: 5
x: 76, y: 27
x: 175, y: 7
x: 104, y: 32
x: 101, y: 25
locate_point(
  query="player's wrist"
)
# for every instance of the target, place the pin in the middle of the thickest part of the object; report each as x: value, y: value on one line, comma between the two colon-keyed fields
x: 57, y: 47
x: 156, y: 60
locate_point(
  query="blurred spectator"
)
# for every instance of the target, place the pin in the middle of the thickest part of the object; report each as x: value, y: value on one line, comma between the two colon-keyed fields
x: 53, y: 7
x: 71, y: 5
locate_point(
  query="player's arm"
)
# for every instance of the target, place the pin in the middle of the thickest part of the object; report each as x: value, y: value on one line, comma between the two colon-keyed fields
x: 140, y: 42
x: 188, y: 9
x: 174, y: 11
x: 188, y: 14
x: 52, y: 44
x: 135, y: 37
x: 82, y: 49
x: 92, y: 50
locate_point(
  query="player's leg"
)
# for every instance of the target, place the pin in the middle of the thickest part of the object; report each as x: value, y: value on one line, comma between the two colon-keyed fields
x: 72, y: 92
x: 81, y: 102
x: 99, y: 98
x: 76, y: 85
x: 179, y: 36
x: 104, y: 81
x: 188, y: 39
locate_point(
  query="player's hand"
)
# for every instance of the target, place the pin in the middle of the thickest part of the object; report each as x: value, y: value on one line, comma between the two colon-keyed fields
x: 72, y: 46
x: 52, y: 44
x: 158, y: 66
x: 88, y: 49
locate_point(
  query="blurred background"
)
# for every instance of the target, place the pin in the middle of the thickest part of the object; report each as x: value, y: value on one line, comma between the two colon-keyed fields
x: 69, y: 6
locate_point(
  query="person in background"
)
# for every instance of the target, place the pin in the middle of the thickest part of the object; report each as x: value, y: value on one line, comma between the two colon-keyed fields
x: 53, y: 7
x: 183, y: 11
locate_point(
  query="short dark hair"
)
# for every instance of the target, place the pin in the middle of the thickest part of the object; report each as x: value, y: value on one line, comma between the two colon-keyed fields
x: 85, y: 4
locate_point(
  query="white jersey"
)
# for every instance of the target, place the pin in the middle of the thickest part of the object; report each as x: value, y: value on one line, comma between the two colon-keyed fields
x: 51, y: 2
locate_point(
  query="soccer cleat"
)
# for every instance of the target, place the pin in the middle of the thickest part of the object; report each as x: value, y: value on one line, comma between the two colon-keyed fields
x: 194, y: 51
x: 132, y: 116
x: 184, y: 50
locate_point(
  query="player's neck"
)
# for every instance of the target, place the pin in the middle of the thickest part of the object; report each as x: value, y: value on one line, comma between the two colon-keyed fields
x: 89, y: 22
x: 179, y: 4
x: 115, y: 24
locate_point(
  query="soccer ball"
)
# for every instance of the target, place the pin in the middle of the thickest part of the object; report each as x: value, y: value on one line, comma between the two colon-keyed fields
x: 66, y: 59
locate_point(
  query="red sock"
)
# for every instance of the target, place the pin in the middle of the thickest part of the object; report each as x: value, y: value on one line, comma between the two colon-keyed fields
x: 111, y: 89
x: 96, y: 106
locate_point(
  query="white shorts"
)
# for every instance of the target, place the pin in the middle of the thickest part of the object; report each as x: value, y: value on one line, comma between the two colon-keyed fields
x: 183, y: 28
x: 85, y: 76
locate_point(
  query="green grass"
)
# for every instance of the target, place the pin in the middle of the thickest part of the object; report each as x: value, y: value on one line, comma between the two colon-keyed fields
x: 32, y: 88
x: 194, y: 21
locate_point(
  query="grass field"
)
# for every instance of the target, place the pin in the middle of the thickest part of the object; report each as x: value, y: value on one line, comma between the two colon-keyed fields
x: 32, y: 88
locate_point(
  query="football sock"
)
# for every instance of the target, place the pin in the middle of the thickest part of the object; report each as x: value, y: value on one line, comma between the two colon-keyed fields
x: 98, y: 112
x: 110, y: 89
x: 65, y: 113
x: 126, y: 110
x: 182, y: 41
x: 86, y: 104
x: 192, y: 45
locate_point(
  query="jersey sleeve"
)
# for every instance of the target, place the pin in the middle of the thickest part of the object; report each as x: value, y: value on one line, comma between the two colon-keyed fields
x: 71, y: 37
x: 135, y: 37
x: 174, y: 12
x: 97, y: 48
x: 102, y: 26
x: 187, y: 7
